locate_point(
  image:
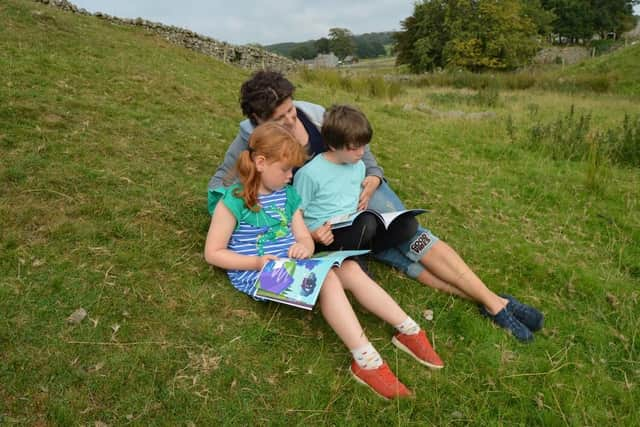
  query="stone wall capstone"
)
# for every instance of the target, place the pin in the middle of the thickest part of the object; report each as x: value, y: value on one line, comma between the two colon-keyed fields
x: 250, y: 57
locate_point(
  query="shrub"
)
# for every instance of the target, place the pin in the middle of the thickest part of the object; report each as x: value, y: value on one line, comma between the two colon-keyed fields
x: 623, y: 143
x: 565, y: 138
x: 568, y: 138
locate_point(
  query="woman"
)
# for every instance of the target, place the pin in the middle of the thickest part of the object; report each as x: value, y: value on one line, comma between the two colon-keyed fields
x: 268, y: 96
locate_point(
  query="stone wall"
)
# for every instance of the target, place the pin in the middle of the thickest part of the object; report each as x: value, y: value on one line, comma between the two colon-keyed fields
x: 562, y: 55
x: 635, y: 33
x: 249, y: 57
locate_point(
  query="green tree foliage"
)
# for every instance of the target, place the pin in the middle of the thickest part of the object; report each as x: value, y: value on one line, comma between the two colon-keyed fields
x: 341, y: 42
x: 322, y: 45
x: 574, y: 19
x: 542, y: 17
x: 470, y: 34
x: 303, y: 51
x: 368, y: 45
x: 369, y: 49
x: 579, y: 20
x: 424, y: 35
x: 610, y: 15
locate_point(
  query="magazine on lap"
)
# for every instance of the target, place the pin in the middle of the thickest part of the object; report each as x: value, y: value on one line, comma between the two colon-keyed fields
x: 386, y: 218
x: 297, y: 282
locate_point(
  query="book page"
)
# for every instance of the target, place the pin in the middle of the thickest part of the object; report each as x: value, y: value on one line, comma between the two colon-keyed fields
x: 388, y: 217
x: 297, y: 282
x: 344, y: 218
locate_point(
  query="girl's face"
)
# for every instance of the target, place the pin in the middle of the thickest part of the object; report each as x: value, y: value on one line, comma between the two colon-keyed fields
x: 273, y: 175
x: 285, y: 115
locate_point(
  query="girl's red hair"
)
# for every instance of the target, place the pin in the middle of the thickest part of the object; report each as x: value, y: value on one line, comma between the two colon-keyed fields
x: 274, y: 143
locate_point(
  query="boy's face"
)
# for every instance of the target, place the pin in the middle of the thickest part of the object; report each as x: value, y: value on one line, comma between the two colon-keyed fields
x: 350, y: 154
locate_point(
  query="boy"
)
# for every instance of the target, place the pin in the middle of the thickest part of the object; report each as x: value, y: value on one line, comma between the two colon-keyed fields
x: 330, y: 185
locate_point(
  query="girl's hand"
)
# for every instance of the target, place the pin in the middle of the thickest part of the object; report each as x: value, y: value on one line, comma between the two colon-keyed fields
x: 323, y: 234
x: 369, y: 185
x: 262, y: 260
x: 300, y: 251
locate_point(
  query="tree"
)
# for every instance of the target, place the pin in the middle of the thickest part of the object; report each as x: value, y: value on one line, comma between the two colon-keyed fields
x: 490, y: 35
x: 341, y: 42
x: 303, y: 51
x: 421, y: 42
x: 611, y: 16
x: 574, y: 20
x: 322, y: 45
x: 579, y: 20
x: 541, y: 17
x: 369, y: 48
x: 471, y: 34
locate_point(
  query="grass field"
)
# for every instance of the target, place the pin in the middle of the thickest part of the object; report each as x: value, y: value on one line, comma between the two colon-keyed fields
x: 108, y: 137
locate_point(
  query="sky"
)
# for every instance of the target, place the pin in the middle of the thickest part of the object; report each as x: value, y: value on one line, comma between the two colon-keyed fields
x: 244, y: 22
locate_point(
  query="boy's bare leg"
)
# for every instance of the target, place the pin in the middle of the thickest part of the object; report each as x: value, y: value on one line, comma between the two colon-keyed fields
x: 443, y: 262
x: 429, y: 279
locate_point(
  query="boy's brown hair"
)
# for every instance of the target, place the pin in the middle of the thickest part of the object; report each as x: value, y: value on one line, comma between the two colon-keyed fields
x: 345, y: 127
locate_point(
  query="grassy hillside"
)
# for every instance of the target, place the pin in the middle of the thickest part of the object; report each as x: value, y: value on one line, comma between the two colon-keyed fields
x: 619, y: 67
x: 108, y: 136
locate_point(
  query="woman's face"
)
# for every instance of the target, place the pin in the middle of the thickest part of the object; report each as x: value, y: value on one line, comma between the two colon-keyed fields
x: 285, y: 115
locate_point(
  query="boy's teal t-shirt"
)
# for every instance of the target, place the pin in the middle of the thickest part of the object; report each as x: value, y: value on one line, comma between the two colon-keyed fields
x: 328, y: 189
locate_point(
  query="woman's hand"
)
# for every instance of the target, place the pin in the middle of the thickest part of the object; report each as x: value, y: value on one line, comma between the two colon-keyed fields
x: 369, y: 185
x: 262, y: 260
x: 323, y: 234
x: 299, y: 251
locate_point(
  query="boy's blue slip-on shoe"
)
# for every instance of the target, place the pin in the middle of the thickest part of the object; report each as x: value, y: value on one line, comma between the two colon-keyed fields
x: 529, y: 316
x: 506, y: 320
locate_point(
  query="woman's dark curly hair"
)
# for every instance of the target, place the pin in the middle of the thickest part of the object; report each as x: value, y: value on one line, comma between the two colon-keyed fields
x: 263, y: 93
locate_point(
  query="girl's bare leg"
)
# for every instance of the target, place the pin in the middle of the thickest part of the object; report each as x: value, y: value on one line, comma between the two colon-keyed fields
x: 339, y: 314
x: 369, y: 293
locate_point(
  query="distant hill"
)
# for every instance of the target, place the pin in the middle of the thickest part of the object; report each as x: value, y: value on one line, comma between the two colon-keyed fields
x: 368, y: 45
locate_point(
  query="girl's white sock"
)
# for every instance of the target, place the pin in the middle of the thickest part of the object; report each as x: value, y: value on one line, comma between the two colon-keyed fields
x: 367, y: 357
x: 408, y: 327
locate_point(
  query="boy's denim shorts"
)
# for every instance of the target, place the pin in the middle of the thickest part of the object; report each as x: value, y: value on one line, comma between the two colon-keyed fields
x: 406, y: 256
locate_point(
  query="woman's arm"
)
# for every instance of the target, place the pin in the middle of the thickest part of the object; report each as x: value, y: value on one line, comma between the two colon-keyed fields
x: 370, y: 163
x: 304, y: 246
x: 215, y: 249
x: 239, y: 144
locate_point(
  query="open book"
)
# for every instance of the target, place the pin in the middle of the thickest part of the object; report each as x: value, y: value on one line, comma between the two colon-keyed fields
x: 297, y: 282
x: 386, y: 219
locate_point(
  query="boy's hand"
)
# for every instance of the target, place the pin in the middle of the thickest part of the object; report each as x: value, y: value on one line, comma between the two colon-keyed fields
x: 300, y: 251
x: 323, y: 234
x: 369, y: 185
x: 262, y: 260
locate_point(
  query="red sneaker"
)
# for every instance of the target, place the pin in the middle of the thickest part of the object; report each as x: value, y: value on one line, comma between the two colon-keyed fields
x: 418, y: 346
x: 380, y: 380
